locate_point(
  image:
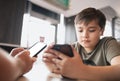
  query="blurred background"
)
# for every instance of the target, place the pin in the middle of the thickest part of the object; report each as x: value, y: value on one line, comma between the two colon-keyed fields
x: 24, y: 22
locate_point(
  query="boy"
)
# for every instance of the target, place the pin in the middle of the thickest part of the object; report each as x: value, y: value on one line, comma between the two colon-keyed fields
x: 94, y: 59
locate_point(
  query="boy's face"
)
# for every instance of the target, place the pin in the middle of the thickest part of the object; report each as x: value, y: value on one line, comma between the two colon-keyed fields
x: 88, y: 35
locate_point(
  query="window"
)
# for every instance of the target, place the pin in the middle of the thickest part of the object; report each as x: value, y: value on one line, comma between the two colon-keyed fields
x: 35, y: 29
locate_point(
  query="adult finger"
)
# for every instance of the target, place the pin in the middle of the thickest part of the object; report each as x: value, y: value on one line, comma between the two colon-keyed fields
x: 15, y: 51
x: 34, y: 59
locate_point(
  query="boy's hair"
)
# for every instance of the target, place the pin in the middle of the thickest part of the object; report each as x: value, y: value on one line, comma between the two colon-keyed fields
x: 89, y: 14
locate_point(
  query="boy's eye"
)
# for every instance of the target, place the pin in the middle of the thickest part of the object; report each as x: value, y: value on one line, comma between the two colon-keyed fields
x: 91, y: 30
x: 80, y: 30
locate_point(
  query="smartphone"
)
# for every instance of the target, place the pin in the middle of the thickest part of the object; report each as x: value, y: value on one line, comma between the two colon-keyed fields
x: 36, y: 49
x: 64, y: 48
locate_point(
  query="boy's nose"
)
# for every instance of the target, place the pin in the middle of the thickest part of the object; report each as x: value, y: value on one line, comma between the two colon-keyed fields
x: 85, y: 34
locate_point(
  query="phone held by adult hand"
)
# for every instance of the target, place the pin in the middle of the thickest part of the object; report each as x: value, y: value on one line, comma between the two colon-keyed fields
x: 37, y: 48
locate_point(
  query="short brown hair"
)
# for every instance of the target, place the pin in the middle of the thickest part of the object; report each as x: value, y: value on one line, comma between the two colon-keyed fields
x: 89, y: 14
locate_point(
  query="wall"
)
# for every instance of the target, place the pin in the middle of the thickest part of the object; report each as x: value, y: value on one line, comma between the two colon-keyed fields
x: 70, y: 35
x: 11, y: 16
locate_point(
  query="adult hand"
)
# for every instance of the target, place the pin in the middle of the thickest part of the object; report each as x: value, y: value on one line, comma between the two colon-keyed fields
x: 23, y: 59
x: 15, y: 51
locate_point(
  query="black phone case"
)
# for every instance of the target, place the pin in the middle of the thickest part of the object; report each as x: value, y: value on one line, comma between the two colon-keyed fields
x: 64, y: 48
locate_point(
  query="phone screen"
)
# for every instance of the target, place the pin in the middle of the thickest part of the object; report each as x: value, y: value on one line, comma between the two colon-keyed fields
x: 36, y: 49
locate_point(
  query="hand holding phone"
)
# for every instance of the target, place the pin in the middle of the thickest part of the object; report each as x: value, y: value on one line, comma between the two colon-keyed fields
x: 64, y: 48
